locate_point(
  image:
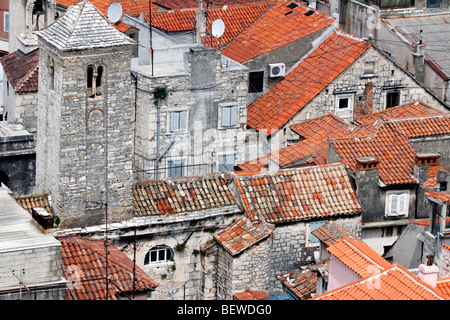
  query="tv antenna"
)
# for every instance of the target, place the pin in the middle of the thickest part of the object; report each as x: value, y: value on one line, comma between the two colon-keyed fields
x: 115, y: 12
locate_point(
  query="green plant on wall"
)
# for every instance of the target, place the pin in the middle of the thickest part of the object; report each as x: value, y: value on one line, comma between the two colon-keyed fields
x: 159, y: 93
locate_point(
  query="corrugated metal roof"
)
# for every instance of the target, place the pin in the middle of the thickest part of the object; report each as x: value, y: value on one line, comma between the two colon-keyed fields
x: 435, y: 35
x: 18, y: 231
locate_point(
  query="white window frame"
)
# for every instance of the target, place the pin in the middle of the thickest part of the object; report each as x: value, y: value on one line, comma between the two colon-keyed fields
x: 342, y: 96
x: 397, y: 203
x: 158, y: 250
x: 230, y: 107
x: 6, y: 26
x: 179, y: 127
x: 222, y: 163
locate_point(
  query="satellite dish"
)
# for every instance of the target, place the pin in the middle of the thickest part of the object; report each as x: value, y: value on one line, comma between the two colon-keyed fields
x: 218, y: 28
x: 114, y: 12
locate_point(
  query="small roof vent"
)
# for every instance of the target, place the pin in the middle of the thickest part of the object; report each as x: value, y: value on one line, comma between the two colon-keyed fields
x: 292, y: 5
x: 310, y: 12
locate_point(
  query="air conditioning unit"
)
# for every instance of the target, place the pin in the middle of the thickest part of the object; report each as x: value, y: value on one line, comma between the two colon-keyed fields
x: 277, y: 70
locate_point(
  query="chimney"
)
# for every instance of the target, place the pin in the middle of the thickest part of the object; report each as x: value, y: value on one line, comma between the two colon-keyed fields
x: 367, y: 178
x: 423, y: 162
x: 429, y: 274
x: 419, y: 61
x: 200, y: 24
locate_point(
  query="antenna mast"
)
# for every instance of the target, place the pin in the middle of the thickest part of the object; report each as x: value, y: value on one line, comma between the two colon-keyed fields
x: 150, y: 29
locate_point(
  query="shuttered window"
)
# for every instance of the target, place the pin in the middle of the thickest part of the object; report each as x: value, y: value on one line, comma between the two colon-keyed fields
x: 228, y: 116
x: 177, y: 121
x: 226, y: 162
x: 397, y: 204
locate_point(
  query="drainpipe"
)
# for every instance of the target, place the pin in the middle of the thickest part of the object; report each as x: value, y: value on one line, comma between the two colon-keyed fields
x: 442, y: 228
x: 158, y: 121
x: 446, y: 81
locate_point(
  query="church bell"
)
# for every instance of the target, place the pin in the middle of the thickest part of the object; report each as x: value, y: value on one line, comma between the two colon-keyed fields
x: 38, y: 8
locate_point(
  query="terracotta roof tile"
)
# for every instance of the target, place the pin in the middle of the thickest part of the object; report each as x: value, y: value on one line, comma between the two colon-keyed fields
x: 301, y: 283
x: 41, y: 200
x: 358, y: 256
x: 277, y: 27
x: 185, y: 4
x: 330, y: 233
x: 413, y: 109
x: 443, y: 196
x: 251, y: 295
x: 288, y: 96
x: 396, y: 155
x: 394, y: 283
x: 298, y: 194
x: 129, y: 7
x: 87, y: 257
x: 443, y: 287
x: 22, y: 70
x: 242, y: 234
x: 236, y: 20
x: 315, y: 132
x: 175, y: 195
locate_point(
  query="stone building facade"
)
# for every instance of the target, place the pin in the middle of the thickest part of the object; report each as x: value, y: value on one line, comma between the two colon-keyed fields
x: 200, y: 123
x: 85, y: 118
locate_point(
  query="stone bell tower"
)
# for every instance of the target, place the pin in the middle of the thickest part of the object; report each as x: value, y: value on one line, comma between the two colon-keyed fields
x: 85, y: 111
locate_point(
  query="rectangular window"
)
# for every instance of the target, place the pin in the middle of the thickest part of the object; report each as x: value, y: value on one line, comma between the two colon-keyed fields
x: 6, y: 21
x: 228, y: 116
x: 442, y: 186
x: 433, y: 3
x: 392, y: 99
x: 369, y: 68
x: 344, y: 102
x: 175, y: 169
x: 397, y: 203
x: 177, y: 121
x: 255, y: 81
x: 226, y: 162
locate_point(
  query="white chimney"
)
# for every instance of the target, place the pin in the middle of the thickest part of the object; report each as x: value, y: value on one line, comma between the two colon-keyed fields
x: 429, y: 274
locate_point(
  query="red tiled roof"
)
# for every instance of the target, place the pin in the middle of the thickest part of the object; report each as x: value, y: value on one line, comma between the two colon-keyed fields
x: 413, y: 109
x: 278, y: 26
x: 396, y: 155
x: 186, y: 4
x: 426, y: 222
x: 175, y: 195
x: 22, y: 70
x: 129, y: 7
x: 315, y: 132
x: 423, y: 127
x: 236, y: 19
x: 443, y: 287
x: 443, y: 196
x: 301, y: 283
x: 242, y: 234
x: 395, y: 283
x: 330, y: 233
x: 298, y: 194
x: 288, y: 96
x: 358, y: 256
x: 251, y: 295
x: 86, y: 258
x: 41, y: 200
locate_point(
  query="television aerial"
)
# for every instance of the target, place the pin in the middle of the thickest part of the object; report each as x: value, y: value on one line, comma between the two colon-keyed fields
x: 114, y: 12
x: 217, y: 28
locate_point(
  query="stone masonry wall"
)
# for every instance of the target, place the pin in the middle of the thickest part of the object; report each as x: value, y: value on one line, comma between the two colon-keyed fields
x: 85, y: 145
x: 201, y: 95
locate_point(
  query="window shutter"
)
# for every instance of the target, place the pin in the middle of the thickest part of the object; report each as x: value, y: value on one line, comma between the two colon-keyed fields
x: 401, y: 204
x: 173, y: 126
x: 225, y: 117
x: 233, y: 115
x: 393, y: 205
x: 182, y: 120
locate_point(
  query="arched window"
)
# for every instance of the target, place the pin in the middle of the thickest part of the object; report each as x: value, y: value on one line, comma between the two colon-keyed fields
x: 158, y: 254
x: 51, y: 74
x: 94, y: 81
